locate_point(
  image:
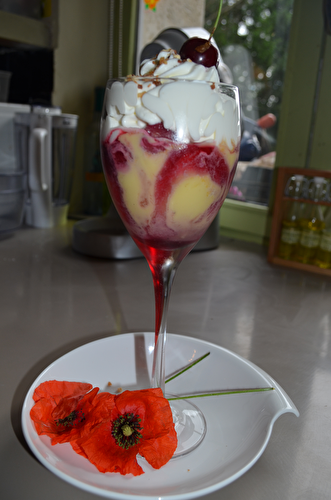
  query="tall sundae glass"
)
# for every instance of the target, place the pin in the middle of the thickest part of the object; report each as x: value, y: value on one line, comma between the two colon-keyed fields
x: 169, y: 146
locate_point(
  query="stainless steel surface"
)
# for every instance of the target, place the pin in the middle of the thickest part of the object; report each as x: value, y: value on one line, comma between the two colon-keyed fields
x: 53, y: 300
x: 104, y: 237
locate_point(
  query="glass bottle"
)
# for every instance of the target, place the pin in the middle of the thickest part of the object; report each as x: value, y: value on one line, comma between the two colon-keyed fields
x: 323, y: 255
x: 311, y: 223
x: 290, y: 233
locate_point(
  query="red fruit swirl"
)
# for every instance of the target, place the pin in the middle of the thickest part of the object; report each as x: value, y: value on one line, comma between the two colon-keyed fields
x: 182, y: 161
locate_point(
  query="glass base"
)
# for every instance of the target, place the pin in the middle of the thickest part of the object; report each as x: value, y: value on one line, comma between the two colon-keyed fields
x: 190, y: 425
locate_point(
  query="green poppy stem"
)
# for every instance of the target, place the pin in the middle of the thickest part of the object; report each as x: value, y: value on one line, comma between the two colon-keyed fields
x: 223, y: 393
x: 188, y: 367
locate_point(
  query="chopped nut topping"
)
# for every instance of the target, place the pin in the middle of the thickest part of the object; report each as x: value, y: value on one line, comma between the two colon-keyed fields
x: 150, y: 73
x: 131, y: 78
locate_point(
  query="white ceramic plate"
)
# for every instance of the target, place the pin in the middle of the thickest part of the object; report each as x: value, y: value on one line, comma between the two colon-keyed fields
x: 238, y: 426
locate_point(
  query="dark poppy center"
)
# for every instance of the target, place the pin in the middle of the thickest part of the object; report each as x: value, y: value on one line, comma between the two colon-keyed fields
x: 74, y: 418
x: 126, y: 430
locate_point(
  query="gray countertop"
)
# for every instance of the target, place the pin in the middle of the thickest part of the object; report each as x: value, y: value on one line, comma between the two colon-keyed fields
x: 53, y: 300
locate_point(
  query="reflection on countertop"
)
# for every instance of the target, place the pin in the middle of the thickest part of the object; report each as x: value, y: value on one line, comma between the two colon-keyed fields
x: 53, y: 300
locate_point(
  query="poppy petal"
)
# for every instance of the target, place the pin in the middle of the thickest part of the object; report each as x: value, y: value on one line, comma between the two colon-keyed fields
x: 153, y: 409
x: 41, y: 414
x: 74, y: 412
x: 95, y: 408
x: 80, y: 408
x: 159, y: 451
x: 85, y: 409
x: 78, y: 449
x: 102, y: 451
x: 60, y: 389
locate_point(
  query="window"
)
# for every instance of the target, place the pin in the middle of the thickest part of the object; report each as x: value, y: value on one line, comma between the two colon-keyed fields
x: 303, y: 124
x: 253, y: 36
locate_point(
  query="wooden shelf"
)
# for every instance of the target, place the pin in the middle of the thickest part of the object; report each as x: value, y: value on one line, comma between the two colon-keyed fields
x: 309, y: 202
x: 297, y: 265
x: 283, y: 174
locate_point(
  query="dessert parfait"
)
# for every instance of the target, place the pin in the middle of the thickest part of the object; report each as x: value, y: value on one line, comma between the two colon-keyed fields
x: 170, y: 143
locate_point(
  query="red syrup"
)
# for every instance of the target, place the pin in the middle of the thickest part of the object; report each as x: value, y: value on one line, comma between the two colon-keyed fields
x: 157, y: 242
x: 156, y: 258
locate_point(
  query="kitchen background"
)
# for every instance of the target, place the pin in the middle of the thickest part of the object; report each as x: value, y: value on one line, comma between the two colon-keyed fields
x: 58, y: 53
x: 61, y: 51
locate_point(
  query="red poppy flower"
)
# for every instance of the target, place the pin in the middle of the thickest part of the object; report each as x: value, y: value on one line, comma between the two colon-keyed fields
x: 65, y: 411
x: 140, y: 422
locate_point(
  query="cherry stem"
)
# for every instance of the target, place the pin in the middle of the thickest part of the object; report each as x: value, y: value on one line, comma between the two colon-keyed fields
x: 217, y: 19
x: 202, y: 48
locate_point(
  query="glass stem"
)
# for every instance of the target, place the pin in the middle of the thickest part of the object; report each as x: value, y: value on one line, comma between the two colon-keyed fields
x: 163, y: 277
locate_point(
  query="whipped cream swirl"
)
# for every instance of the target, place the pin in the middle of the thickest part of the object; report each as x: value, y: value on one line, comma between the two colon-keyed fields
x: 195, y: 110
x: 169, y: 65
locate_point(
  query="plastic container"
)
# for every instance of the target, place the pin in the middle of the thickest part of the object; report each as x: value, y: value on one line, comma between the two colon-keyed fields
x: 5, y: 77
x: 13, y: 192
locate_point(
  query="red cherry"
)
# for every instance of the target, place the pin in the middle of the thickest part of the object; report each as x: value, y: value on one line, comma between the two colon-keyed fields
x: 200, y: 51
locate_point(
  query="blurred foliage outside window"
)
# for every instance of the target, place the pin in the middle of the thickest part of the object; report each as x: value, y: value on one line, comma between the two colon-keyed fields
x: 262, y: 27
x: 253, y: 37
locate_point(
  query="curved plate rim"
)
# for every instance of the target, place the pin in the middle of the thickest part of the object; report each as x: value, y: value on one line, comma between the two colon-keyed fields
x: 289, y: 407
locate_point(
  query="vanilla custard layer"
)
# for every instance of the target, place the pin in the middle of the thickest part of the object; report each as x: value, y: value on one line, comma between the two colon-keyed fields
x: 189, y: 200
x: 138, y: 181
